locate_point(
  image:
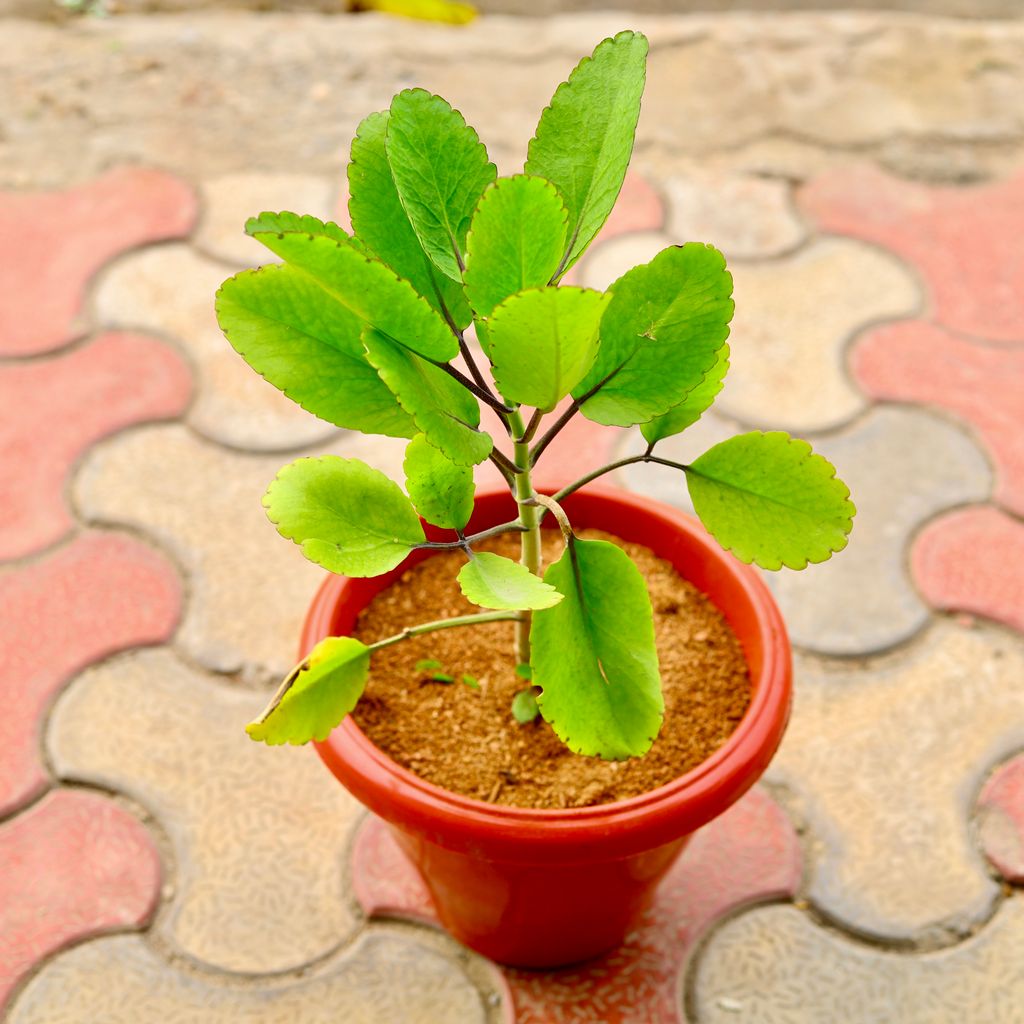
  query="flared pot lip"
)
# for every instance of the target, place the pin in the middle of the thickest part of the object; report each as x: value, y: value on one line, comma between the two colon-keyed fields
x: 684, y: 804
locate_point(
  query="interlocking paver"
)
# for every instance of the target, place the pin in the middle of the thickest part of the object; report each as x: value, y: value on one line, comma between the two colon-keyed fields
x: 918, y: 362
x: 72, y: 866
x: 1000, y: 816
x: 249, y: 588
x: 54, y: 409
x: 774, y: 965
x: 54, y: 242
x: 886, y: 757
x: 99, y: 594
x: 965, y: 242
x: 749, y: 854
x: 259, y: 835
x: 170, y: 290
x: 973, y: 560
x: 382, y: 979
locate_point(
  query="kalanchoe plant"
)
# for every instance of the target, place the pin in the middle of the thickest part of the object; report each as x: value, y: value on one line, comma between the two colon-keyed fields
x: 364, y: 331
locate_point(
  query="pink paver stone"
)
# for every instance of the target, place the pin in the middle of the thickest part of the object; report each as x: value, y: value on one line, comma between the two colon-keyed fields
x: 1001, y: 804
x: 972, y: 560
x: 749, y: 854
x: 54, y: 409
x: 100, y: 594
x: 74, y: 865
x: 52, y: 243
x: 965, y: 242
x: 917, y: 362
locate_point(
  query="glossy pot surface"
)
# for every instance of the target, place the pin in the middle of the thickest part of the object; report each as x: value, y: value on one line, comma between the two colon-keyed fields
x: 539, y: 888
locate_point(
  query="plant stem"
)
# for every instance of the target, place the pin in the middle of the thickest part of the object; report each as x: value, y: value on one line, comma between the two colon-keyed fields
x: 530, y: 555
x: 452, y: 545
x: 482, y: 393
x: 646, y: 457
x: 431, y: 627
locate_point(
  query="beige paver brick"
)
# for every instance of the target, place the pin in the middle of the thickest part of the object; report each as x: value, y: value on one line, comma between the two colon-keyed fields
x: 382, y: 979
x: 776, y: 966
x: 170, y: 290
x: 248, y: 588
x: 259, y: 834
x: 885, y: 757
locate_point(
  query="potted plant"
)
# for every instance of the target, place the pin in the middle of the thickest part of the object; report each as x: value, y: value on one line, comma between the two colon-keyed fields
x: 369, y: 331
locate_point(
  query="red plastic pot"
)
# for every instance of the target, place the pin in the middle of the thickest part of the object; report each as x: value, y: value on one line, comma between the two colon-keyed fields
x: 540, y: 888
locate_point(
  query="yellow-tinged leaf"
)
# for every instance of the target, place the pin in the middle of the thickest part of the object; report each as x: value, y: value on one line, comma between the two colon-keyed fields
x: 447, y: 12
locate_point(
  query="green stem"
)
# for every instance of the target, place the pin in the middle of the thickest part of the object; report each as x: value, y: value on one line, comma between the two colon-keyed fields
x: 464, y: 542
x: 530, y: 551
x: 646, y: 457
x: 458, y: 620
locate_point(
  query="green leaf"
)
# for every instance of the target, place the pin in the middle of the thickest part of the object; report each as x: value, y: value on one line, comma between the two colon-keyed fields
x: 594, y: 654
x: 367, y: 289
x: 769, y: 499
x: 285, y: 223
x: 440, y: 169
x: 492, y: 581
x: 524, y: 670
x: 441, y: 491
x: 660, y: 336
x: 516, y: 240
x: 585, y: 137
x: 428, y: 665
x: 442, y: 677
x: 440, y: 406
x: 692, y: 407
x: 471, y: 681
x: 541, y: 342
x: 380, y: 221
x: 524, y: 707
x: 283, y: 324
x: 347, y: 516
x: 316, y: 695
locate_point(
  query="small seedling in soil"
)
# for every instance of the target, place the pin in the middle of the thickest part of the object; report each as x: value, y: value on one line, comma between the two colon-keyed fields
x: 369, y: 331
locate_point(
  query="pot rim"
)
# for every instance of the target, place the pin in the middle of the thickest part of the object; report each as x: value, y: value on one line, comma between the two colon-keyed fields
x: 722, y: 777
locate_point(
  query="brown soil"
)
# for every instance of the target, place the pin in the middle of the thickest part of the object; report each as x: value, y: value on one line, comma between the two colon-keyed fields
x: 466, y: 740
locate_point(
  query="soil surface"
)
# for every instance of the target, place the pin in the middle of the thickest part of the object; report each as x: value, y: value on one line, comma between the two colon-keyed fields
x: 466, y: 739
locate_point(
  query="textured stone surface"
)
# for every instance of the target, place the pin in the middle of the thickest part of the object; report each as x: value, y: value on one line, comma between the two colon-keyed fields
x: 1000, y: 817
x: 973, y: 560
x: 52, y: 243
x: 382, y: 979
x: 74, y: 865
x: 249, y: 587
x: 97, y: 595
x: 749, y: 854
x: 231, y: 199
x: 886, y: 757
x: 776, y: 966
x: 746, y: 217
x: 965, y: 242
x: 170, y: 290
x: 981, y: 384
x: 259, y: 834
x: 54, y: 409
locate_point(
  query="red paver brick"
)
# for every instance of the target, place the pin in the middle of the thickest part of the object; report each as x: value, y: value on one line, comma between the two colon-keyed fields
x: 751, y: 853
x: 1001, y: 807
x: 965, y: 242
x: 972, y: 560
x: 52, y: 243
x: 74, y: 865
x: 102, y: 593
x: 917, y: 362
x: 54, y: 409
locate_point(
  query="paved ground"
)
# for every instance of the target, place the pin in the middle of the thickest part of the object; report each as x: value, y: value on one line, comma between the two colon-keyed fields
x: 864, y: 173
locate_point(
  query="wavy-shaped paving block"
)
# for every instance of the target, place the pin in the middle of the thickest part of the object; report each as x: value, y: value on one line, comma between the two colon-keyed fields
x: 1000, y: 816
x: 963, y: 241
x: 885, y: 757
x: 918, y: 362
x: 99, y: 594
x: 72, y: 866
x: 170, y: 291
x: 248, y: 587
x: 384, y: 978
x: 775, y: 965
x: 54, y: 409
x: 749, y: 854
x: 972, y: 560
x: 52, y: 243
x: 259, y: 835
x: 902, y: 466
